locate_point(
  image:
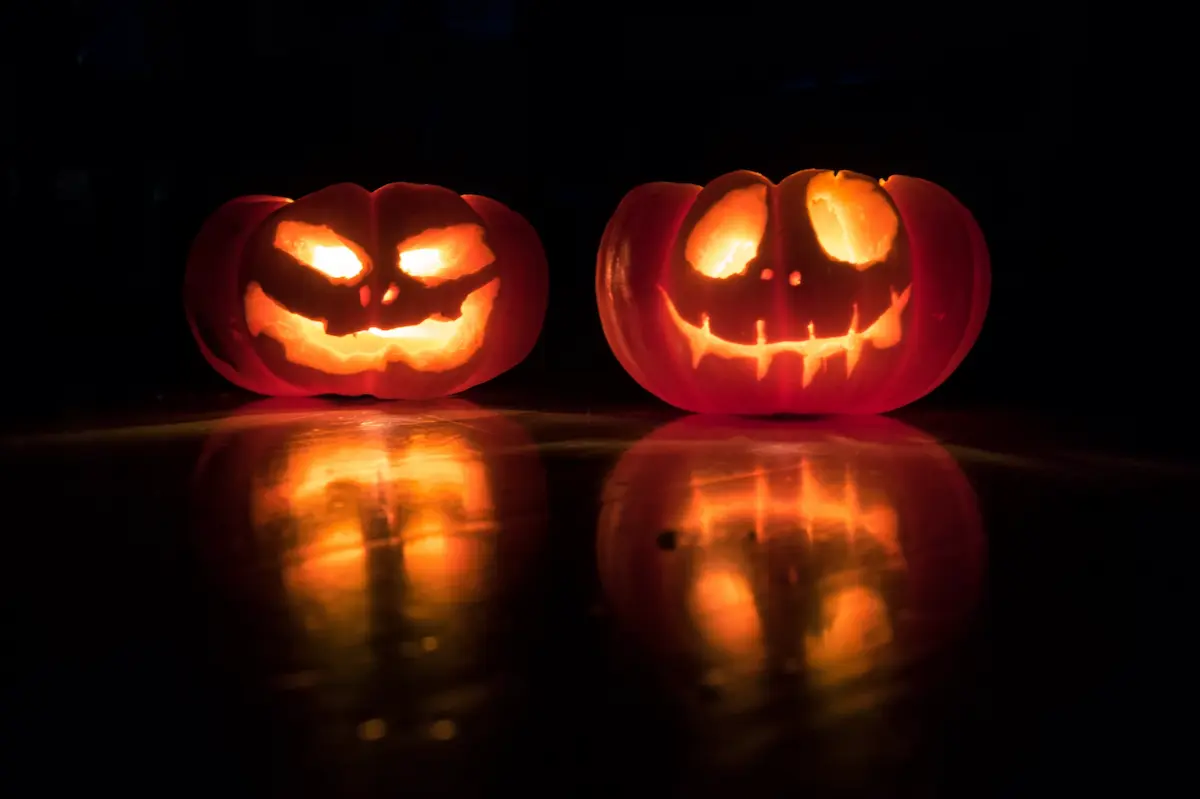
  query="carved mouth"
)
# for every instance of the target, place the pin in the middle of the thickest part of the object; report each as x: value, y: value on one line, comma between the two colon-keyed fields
x: 431, y: 345
x: 884, y: 332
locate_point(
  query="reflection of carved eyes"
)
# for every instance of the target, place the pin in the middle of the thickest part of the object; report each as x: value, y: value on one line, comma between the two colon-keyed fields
x: 726, y: 239
x: 435, y: 256
x: 854, y: 222
x: 322, y: 250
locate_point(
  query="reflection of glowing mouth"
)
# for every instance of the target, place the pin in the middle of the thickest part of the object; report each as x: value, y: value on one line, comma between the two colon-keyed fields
x: 884, y: 332
x: 431, y: 345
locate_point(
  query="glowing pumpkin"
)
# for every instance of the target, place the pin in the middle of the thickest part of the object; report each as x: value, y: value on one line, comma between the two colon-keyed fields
x: 372, y: 526
x: 827, y: 293
x: 818, y: 549
x: 407, y: 292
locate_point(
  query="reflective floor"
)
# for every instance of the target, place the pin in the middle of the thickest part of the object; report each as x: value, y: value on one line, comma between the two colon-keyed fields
x: 372, y: 600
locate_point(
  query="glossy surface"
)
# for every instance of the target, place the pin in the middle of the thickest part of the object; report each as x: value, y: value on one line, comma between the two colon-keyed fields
x: 373, y: 600
x: 825, y: 551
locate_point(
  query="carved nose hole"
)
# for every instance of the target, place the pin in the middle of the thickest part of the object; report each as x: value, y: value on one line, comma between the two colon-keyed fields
x: 390, y: 295
x: 364, y: 295
x: 794, y: 278
x: 767, y: 274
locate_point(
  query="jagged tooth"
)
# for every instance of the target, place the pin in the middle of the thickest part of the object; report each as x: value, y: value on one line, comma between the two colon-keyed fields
x: 852, y: 357
x: 811, y: 364
x: 762, y: 356
x: 887, y: 331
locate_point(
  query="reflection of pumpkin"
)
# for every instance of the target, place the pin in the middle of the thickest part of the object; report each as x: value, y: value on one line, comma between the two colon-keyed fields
x: 407, y: 292
x: 367, y: 513
x: 827, y: 293
x: 741, y: 544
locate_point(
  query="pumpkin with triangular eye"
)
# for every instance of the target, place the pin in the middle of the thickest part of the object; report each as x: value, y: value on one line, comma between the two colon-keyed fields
x: 407, y: 292
x: 827, y: 293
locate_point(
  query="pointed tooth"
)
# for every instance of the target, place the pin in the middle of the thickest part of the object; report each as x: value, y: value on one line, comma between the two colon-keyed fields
x: 886, y: 330
x: 762, y: 365
x: 852, y: 356
x: 811, y: 364
x: 762, y: 358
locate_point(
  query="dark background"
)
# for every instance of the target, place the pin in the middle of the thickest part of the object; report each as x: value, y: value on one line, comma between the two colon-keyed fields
x: 127, y: 123
x: 134, y: 121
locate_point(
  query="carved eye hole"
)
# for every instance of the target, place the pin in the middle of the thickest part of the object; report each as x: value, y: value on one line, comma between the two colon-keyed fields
x: 726, y: 239
x: 322, y: 250
x: 854, y: 222
x: 440, y: 254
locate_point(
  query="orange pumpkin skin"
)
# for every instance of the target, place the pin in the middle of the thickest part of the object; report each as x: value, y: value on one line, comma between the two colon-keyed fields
x: 827, y: 293
x: 777, y: 521
x: 407, y: 292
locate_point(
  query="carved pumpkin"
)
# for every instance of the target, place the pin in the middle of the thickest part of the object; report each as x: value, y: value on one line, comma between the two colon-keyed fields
x: 827, y: 293
x: 381, y: 535
x: 407, y: 292
x: 822, y: 549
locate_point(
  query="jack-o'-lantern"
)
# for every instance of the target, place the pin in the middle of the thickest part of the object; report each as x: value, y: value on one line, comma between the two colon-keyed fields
x: 381, y: 537
x: 407, y: 292
x: 822, y: 551
x: 827, y: 293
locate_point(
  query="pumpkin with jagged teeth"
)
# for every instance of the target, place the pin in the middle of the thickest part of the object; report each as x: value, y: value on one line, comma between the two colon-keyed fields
x: 827, y: 293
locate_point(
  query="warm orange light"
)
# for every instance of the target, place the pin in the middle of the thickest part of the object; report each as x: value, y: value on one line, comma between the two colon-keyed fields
x: 843, y: 546
x: 853, y: 220
x: 424, y: 494
x: 321, y: 249
x: 435, y: 256
x: 884, y: 332
x: 432, y: 345
x: 723, y: 608
x: 855, y: 627
x: 445, y: 570
x: 789, y: 492
x: 789, y: 489
x: 726, y: 239
x: 435, y: 344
